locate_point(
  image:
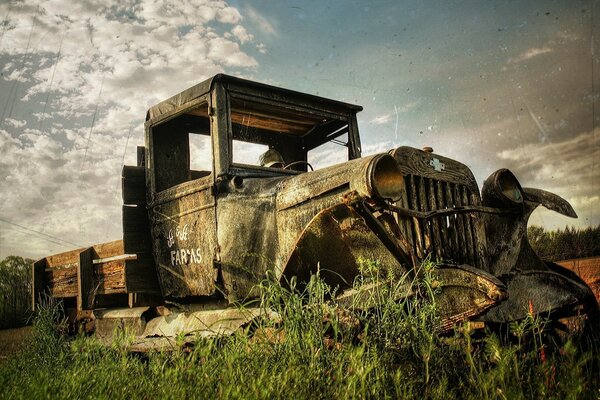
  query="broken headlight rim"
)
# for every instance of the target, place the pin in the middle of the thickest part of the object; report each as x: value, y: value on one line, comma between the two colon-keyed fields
x: 387, y: 180
x: 502, y: 189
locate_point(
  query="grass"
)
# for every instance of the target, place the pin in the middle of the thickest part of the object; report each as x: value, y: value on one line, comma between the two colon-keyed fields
x: 315, y: 350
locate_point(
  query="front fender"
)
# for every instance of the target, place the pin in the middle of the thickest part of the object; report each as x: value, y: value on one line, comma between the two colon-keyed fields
x: 549, y: 200
x: 509, y: 248
x: 528, y: 278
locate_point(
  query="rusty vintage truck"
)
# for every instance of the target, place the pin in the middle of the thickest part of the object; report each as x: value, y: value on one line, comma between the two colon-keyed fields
x: 203, y: 223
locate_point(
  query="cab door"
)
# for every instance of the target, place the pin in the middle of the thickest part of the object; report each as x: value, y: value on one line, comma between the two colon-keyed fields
x: 182, y: 207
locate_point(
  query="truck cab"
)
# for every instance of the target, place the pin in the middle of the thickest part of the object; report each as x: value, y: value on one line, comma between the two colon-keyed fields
x: 206, y: 220
x: 207, y: 195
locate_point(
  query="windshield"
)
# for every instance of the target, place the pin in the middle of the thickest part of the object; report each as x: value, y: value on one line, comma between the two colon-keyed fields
x: 277, y: 136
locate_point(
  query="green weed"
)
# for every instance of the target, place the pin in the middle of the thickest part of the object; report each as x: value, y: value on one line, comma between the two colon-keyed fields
x: 314, y: 348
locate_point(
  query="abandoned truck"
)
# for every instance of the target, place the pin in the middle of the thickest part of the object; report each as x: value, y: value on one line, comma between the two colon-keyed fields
x: 204, y: 222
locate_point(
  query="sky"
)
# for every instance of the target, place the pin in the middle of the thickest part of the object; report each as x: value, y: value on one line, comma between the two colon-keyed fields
x: 492, y: 84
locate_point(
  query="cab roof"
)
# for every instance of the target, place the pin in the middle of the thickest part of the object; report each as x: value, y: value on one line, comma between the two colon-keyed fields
x: 181, y: 100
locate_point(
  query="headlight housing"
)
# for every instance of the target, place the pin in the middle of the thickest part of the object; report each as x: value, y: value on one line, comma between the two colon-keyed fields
x: 502, y: 189
x: 386, y: 179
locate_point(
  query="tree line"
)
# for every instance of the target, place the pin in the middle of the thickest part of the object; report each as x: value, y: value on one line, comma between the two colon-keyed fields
x: 565, y: 244
x: 15, y: 291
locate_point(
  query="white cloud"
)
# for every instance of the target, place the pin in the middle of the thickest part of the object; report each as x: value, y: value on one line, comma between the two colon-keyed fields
x: 568, y: 168
x: 115, y: 62
x: 15, y: 123
x: 530, y: 53
x: 381, y: 119
x: 242, y: 34
x: 261, y: 22
x: 261, y: 48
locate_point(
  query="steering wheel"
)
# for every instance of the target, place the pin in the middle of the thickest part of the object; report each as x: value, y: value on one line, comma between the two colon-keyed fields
x: 299, y: 163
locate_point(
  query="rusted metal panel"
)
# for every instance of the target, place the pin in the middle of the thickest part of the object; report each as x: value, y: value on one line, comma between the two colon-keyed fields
x: 129, y: 320
x: 184, y: 240
x: 419, y: 163
x: 205, y: 322
x: 247, y: 215
x: 336, y: 240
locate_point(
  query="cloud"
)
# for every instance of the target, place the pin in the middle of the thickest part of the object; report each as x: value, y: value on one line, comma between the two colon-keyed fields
x: 530, y: 53
x: 568, y: 168
x: 261, y: 22
x: 242, y: 34
x: 85, y: 74
x: 15, y: 123
x: 381, y: 119
x: 261, y: 48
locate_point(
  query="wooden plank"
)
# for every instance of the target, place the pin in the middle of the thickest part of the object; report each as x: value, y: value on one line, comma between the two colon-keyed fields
x: 62, y: 282
x: 71, y: 258
x: 38, y: 282
x: 133, y: 181
x: 109, y: 249
x: 85, y: 271
x: 109, y: 277
x: 137, y: 243
x: 141, y: 276
x: 136, y: 230
x: 67, y: 258
x: 141, y: 156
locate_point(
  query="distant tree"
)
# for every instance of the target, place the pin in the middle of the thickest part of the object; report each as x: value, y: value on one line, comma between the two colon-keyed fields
x: 565, y: 244
x: 15, y: 291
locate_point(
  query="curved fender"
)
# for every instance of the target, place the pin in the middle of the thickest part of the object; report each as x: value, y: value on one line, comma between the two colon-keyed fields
x: 546, y: 291
x: 549, y: 200
x: 337, y: 241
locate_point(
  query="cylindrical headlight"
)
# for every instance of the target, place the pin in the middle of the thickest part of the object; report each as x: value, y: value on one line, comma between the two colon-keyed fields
x: 386, y: 179
x: 502, y: 189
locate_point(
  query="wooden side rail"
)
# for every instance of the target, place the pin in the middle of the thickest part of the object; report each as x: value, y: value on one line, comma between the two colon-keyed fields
x: 86, y: 273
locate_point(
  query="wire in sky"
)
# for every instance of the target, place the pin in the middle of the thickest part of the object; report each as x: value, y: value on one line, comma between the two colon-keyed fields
x: 126, y: 143
x: 14, y: 89
x: 5, y: 24
x: 94, y: 118
x: 51, y: 81
x: 40, y: 233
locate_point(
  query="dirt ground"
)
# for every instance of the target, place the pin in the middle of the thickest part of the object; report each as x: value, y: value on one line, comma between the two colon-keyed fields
x: 10, y: 341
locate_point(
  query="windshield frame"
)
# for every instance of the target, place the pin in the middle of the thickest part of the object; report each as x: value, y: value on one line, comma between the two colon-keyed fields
x: 347, y: 117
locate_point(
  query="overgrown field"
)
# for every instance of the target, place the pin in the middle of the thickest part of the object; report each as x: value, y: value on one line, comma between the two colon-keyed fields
x: 315, y: 350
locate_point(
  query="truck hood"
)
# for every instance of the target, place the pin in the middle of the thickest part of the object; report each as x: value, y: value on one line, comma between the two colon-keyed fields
x: 374, y: 176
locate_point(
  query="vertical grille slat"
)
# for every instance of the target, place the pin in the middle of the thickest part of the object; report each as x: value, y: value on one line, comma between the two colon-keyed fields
x: 453, y: 229
x: 424, y: 206
x: 418, y: 243
x: 441, y: 203
x: 468, y: 227
x: 453, y: 238
x: 434, y: 222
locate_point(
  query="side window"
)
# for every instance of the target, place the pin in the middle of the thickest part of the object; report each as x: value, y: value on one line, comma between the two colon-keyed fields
x: 182, y: 148
x: 329, y: 153
x: 247, y: 153
x: 200, y: 155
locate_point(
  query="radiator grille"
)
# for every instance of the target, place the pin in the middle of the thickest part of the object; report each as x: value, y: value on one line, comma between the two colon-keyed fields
x: 454, y: 238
